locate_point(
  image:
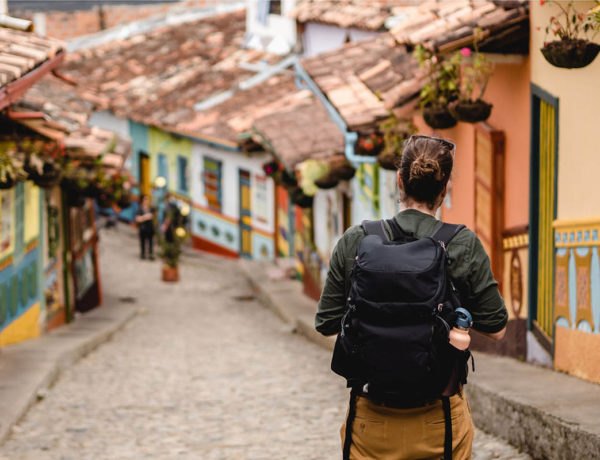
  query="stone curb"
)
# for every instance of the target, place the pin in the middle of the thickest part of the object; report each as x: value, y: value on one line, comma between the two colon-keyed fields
x: 29, y: 368
x: 532, y: 429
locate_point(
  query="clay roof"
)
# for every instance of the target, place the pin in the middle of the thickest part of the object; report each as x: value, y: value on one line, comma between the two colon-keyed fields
x: 299, y: 130
x: 157, y: 77
x: 360, y: 14
x: 52, y: 108
x: 21, y: 53
x: 364, y: 80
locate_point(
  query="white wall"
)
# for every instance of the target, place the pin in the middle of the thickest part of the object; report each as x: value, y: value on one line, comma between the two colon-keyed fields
x: 320, y: 38
x: 106, y: 120
x: 328, y: 220
x: 232, y: 162
x: 278, y: 33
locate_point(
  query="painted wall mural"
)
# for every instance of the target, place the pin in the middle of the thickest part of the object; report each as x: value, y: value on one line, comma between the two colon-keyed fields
x: 577, y: 298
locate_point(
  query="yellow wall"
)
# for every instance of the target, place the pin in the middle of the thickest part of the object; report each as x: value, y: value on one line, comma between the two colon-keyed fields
x: 8, y: 196
x: 172, y: 146
x: 32, y: 211
x: 24, y: 327
x: 579, y: 111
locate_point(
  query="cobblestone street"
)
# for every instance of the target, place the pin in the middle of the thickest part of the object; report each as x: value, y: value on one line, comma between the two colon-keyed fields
x: 203, y: 372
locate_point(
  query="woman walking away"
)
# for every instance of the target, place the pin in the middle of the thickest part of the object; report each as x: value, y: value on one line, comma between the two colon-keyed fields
x: 401, y: 294
x: 145, y: 222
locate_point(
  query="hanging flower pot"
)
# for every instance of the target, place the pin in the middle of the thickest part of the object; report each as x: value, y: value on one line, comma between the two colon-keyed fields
x: 300, y: 199
x: 105, y: 199
x: 388, y: 161
x: 288, y: 180
x: 438, y: 116
x: 342, y: 170
x: 7, y: 183
x: 48, y: 177
x: 570, y: 53
x: 369, y: 145
x: 271, y: 168
x: 470, y: 111
x: 124, y: 201
x: 327, y: 182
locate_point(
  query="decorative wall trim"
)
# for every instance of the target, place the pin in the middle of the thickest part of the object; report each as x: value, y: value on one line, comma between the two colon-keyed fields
x: 577, y: 233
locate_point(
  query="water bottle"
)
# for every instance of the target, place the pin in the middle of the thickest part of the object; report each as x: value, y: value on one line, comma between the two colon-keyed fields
x: 459, y: 334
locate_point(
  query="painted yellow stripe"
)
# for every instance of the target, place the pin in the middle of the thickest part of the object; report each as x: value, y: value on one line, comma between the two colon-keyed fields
x: 24, y: 327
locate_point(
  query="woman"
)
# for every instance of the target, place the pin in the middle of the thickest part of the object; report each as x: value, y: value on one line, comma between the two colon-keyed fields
x: 145, y: 222
x: 379, y: 430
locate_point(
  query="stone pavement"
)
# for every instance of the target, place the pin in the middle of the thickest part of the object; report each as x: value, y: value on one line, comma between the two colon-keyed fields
x: 202, y: 372
x: 548, y: 414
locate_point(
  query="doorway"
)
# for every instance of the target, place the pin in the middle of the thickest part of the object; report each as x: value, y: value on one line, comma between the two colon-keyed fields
x: 245, y: 215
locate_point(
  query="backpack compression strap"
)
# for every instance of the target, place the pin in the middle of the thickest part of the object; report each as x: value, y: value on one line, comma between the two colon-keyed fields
x: 446, y: 232
x: 375, y: 227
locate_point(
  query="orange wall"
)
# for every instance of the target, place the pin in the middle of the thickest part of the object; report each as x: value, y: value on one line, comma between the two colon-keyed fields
x: 508, y: 91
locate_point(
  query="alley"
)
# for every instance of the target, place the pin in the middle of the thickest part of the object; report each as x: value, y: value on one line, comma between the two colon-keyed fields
x: 202, y: 372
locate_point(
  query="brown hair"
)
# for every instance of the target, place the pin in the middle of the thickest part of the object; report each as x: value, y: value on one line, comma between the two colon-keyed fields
x: 425, y: 168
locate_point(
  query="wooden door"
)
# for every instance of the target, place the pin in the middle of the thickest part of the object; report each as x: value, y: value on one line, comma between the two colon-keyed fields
x: 544, y: 156
x: 489, y: 193
x: 144, y: 163
x: 245, y: 215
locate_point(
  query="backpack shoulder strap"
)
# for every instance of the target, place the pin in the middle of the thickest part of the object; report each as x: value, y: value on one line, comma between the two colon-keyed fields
x: 446, y: 232
x: 375, y: 227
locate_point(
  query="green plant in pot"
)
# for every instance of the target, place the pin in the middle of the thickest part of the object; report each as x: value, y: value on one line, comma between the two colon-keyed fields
x: 170, y: 253
x: 470, y: 106
x: 395, y: 132
x: 11, y: 170
x: 442, y: 87
x: 75, y: 181
x: 42, y: 161
x: 572, y: 50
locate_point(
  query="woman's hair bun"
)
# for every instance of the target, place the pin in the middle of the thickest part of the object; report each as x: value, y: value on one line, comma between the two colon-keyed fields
x: 425, y: 168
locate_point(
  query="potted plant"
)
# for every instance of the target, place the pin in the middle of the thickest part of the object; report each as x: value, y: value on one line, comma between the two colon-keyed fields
x: 42, y: 161
x: 74, y: 182
x: 395, y: 132
x: 11, y: 170
x: 341, y: 168
x: 441, y: 88
x: 369, y: 144
x: 299, y: 198
x: 571, y: 51
x: 475, y: 76
x: 170, y: 252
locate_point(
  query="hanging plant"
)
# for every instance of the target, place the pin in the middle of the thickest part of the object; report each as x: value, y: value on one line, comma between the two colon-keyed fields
x: 121, y: 189
x: 341, y: 169
x: 441, y: 89
x: 370, y: 144
x: 299, y: 198
x: 288, y: 180
x: 74, y: 182
x: 395, y: 132
x: 271, y: 168
x: 573, y: 50
x: 327, y: 182
x: 475, y: 77
x: 11, y: 169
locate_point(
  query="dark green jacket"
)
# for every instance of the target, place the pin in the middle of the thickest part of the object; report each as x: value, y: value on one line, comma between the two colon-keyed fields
x: 469, y: 270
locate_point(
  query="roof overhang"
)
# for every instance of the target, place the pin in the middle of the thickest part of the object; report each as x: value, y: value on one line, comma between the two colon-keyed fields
x: 14, y: 90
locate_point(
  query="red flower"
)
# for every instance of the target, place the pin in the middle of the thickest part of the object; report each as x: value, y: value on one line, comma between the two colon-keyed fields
x: 542, y: 2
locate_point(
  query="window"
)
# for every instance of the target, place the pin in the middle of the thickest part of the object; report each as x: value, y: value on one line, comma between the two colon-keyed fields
x: 275, y: 7
x: 212, y: 183
x: 163, y: 167
x: 182, y: 171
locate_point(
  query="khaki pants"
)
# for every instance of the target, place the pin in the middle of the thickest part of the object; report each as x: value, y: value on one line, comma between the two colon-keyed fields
x: 383, y: 433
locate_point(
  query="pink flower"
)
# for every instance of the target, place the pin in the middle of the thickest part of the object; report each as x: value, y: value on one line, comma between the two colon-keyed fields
x: 465, y: 52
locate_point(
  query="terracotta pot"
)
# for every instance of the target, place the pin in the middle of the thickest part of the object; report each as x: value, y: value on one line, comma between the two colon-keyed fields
x: 570, y: 54
x: 170, y: 274
x: 439, y: 117
x: 471, y: 111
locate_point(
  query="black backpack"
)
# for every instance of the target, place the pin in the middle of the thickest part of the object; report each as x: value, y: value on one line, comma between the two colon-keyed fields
x: 394, y: 336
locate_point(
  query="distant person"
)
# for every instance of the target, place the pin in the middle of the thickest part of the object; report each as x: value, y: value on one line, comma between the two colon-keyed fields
x: 401, y: 294
x: 145, y: 221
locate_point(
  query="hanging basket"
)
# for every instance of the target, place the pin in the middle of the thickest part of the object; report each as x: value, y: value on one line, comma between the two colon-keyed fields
x: 105, y: 200
x: 342, y: 171
x: 302, y: 200
x: 388, y: 161
x: 288, y: 180
x: 49, y: 178
x: 438, y: 116
x: 471, y: 111
x: 570, y: 54
x: 124, y: 201
x: 329, y: 181
x: 369, y: 145
x: 8, y: 183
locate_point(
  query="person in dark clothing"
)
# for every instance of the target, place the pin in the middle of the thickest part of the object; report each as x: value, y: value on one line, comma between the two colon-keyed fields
x: 145, y: 222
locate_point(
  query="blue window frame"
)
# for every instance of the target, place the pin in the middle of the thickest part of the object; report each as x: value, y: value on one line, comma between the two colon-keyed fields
x: 182, y: 173
x: 163, y: 167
